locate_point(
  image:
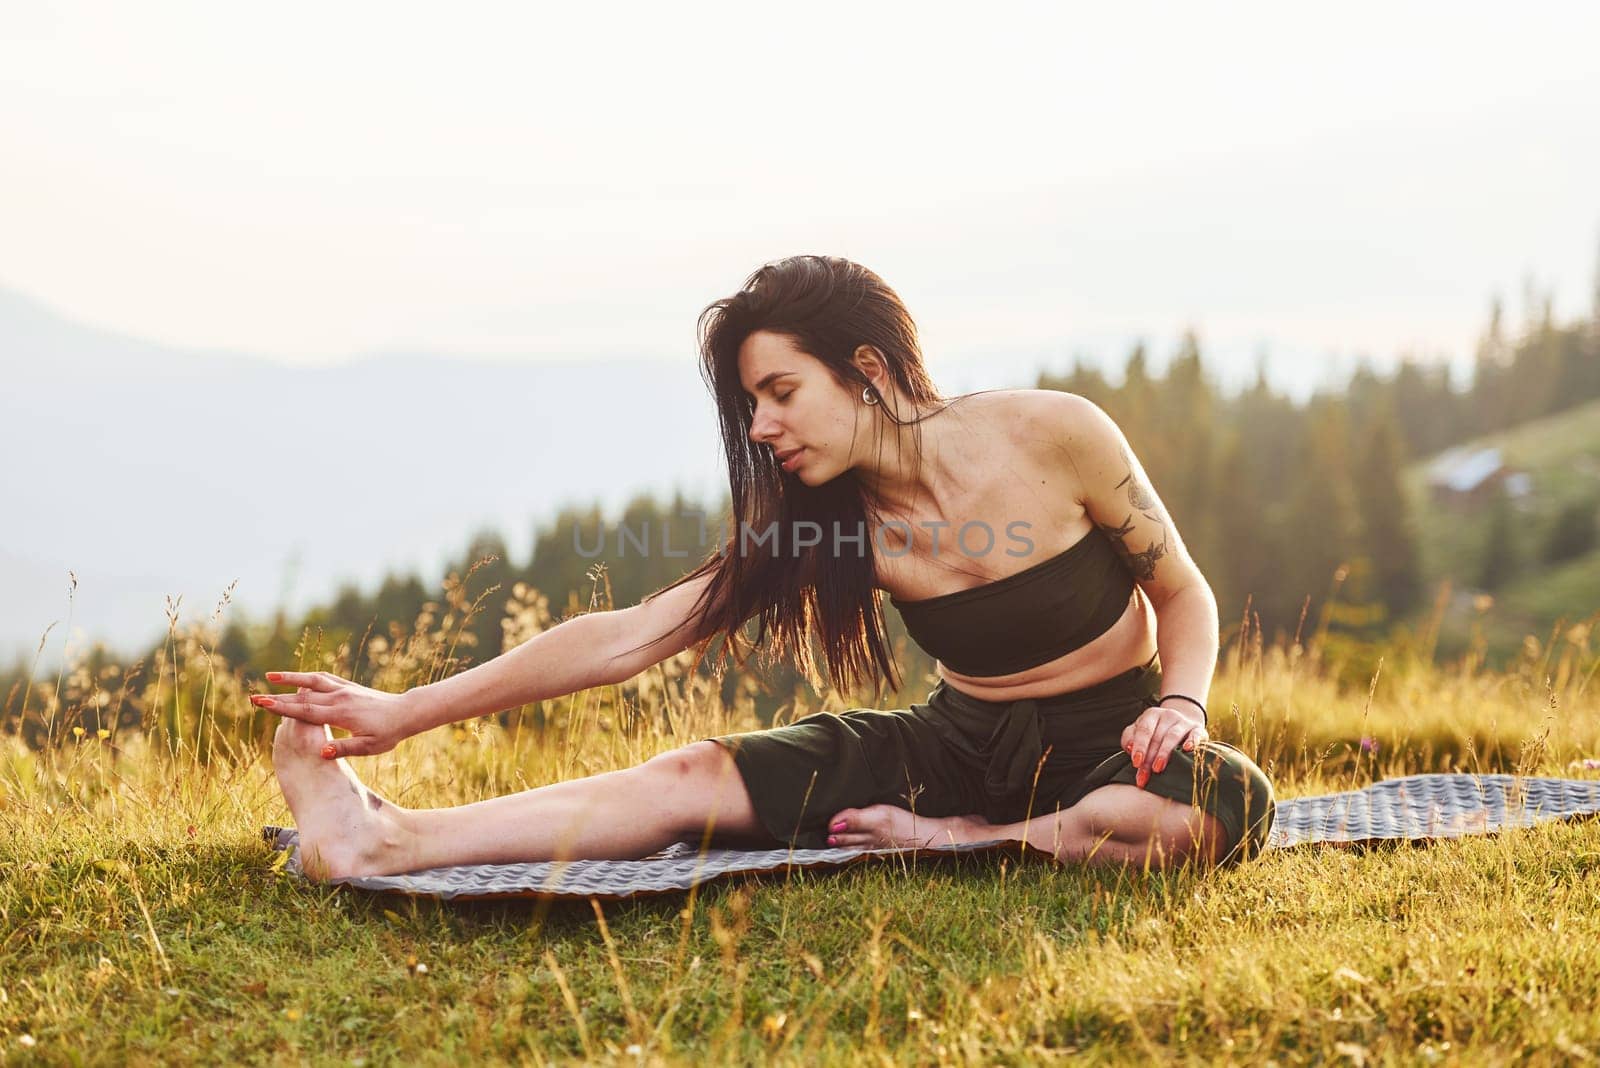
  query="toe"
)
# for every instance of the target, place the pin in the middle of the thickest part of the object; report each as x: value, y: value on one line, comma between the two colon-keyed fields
x: 294, y: 738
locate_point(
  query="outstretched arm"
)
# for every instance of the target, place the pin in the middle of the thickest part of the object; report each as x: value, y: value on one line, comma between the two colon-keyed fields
x: 595, y: 649
x: 1119, y: 499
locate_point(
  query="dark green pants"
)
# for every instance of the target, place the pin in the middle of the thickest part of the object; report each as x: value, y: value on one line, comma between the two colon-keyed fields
x: 955, y: 755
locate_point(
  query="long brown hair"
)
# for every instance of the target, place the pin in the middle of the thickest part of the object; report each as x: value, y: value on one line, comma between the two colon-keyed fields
x: 828, y: 306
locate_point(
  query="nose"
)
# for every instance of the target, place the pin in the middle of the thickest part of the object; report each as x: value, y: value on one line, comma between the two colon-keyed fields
x: 762, y: 428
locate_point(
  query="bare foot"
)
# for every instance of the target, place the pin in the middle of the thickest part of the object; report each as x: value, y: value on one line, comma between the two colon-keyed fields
x: 345, y: 828
x: 892, y: 827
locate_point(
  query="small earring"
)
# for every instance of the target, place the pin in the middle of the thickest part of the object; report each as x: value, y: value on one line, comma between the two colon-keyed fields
x: 866, y: 395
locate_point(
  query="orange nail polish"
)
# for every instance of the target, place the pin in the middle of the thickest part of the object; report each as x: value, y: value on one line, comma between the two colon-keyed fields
x: 1138, y: 757
x: 266, y: 702
x: 329, y: 752
x: 274, y: 676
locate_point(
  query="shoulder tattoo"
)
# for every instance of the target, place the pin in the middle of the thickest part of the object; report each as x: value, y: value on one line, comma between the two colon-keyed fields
x: 1138, y: 496
x: 1142, y: 562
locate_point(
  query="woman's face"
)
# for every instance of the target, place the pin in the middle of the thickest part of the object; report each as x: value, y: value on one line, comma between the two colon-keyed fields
x: 800, y: 412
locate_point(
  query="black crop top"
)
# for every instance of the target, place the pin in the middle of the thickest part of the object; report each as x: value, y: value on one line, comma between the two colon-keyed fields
x: 1024, y: 620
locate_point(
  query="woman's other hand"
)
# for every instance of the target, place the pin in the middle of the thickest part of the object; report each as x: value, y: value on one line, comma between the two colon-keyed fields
x: 1159, y: 730
x: 377, y: 720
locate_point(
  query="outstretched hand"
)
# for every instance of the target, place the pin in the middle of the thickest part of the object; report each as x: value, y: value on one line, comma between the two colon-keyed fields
x: 1151, y: 738
x: 375, y: 719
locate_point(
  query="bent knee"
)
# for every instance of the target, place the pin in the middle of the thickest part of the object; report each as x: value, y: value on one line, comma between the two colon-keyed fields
x: 698, y: 786
x: 1145, y: 827
x: 1188, y: 833
x: 695, y: 760
x: 1204, y: 839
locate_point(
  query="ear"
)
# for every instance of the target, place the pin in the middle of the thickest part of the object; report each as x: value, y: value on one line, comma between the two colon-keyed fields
x: 871, y: 363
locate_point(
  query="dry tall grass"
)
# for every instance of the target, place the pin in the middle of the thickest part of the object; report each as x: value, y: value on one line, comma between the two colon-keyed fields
x: 141, y: 919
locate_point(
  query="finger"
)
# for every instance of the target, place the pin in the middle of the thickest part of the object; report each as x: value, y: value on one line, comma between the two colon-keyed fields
x: 353, y: 746
x: 320, y: 681
x: 1187, y: 735
x: 1165, y: 742
x: 1130, y: 735
x: 1143, y: 733
x: 295, y: 706
x: 301, y: 697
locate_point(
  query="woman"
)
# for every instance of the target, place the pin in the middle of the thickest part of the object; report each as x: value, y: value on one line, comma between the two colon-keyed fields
x: 1014, y: 530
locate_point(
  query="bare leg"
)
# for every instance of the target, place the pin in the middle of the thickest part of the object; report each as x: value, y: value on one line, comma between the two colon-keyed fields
x: 1113, y: 824
x: 347, y: 829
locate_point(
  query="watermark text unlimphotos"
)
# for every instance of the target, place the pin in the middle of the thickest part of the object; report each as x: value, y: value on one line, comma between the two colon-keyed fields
x: 975, y: 538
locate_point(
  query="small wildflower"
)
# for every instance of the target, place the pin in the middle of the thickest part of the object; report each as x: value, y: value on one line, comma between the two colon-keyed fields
x: 102, y: 734
x: 422, y: 969
x: 25, y: 1041
x: 77, y: 732
x: 772, y: 1026
x: 292, y: 1014
x: 634, y: 1050
x: 1369, y: 744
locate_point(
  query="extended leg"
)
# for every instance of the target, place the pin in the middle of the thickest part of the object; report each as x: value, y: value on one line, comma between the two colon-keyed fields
x: 347, y: 829
x: 1113, y: 824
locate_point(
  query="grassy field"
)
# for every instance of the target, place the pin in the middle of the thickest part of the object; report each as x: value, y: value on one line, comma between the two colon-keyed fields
x: 142, y: 920
x: 1562, y: 454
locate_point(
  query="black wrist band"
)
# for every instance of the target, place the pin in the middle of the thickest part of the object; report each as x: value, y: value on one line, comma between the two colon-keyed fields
x: 1203, y: 717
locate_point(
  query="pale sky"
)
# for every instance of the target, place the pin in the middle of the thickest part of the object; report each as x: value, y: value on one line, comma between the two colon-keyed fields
x: 314, y: 181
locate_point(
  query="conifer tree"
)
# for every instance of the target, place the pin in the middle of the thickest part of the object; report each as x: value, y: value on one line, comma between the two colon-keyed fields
x: 1387, y: 535
x: 1186, y: 427
x: 1320, y: 526
x: 1245, y: 554
x: 1490, y: 371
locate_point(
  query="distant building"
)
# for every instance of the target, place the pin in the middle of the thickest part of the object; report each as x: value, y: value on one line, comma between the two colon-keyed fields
x: 1467, y: 476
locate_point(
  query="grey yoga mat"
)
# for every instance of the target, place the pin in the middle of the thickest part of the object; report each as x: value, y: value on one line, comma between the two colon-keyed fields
x: 1417, y: 807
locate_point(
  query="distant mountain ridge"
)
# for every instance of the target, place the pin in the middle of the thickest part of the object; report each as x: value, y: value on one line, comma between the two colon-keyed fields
x: 152, y: 471
x: 40, y: 344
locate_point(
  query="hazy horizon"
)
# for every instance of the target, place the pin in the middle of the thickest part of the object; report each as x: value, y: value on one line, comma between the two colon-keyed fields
x: 513, y: 190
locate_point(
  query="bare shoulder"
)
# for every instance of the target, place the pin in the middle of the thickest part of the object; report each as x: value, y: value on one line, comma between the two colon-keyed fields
x: 1049, y: 424
x: 1027, y: 414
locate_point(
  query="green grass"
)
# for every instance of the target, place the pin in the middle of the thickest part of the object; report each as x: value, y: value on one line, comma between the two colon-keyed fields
x: 1562, y: 454
x: 142, y: 921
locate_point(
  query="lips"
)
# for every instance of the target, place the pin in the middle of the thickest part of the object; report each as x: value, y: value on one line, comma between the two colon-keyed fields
x: 785, y: 458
